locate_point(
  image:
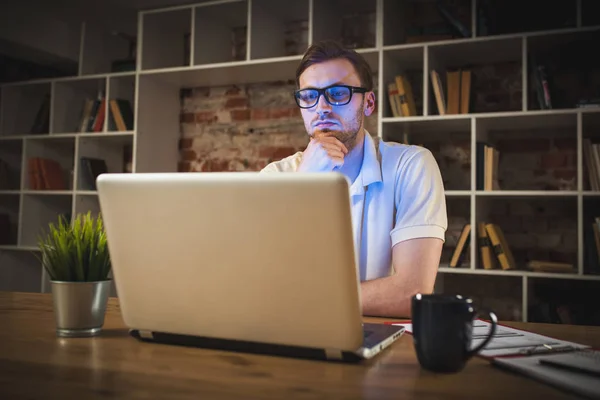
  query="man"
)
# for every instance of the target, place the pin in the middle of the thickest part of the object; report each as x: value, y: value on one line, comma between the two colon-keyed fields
x: 397, y: 194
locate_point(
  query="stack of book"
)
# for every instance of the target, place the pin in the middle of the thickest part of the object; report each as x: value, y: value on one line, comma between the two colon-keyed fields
x: 401, y: 97
x: 45, y: 174
x: 493, y: 247
x: 94, y: 112
x: 456, y: 99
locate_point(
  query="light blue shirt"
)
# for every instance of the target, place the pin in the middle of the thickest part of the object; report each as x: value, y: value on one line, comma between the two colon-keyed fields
x: 398, y: 195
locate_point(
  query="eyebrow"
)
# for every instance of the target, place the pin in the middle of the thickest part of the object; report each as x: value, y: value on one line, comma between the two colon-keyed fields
x: 332, y: 84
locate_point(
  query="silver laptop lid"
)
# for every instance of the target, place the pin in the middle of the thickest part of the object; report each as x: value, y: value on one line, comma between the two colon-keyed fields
x: 247, y: 256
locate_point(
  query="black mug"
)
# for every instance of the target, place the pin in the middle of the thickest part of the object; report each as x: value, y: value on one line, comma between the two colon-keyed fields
x: 442, y: 328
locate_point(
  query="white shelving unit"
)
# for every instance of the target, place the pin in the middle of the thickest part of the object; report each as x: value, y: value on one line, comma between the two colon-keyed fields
x: 191, y: 45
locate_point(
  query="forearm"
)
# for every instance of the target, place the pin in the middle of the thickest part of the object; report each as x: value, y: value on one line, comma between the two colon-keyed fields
x: 384, y: 297
x: 415, y: 270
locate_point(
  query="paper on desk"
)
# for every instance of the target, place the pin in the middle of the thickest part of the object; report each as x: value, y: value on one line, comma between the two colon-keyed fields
x: 507, y: 340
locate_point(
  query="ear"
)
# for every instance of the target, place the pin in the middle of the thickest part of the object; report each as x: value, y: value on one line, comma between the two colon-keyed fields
x: 369, y: 103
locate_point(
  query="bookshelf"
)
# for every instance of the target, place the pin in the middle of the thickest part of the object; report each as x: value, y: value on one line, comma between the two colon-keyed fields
x: 249, y: 42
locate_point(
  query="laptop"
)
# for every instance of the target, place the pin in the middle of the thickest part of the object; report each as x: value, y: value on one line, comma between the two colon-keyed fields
x: 243, y: 261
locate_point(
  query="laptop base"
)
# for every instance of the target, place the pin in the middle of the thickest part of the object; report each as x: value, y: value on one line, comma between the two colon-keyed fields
x: 243, y: 346
x: 378, y: 341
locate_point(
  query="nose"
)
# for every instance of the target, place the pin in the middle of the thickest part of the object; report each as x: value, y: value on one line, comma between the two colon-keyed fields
x: 322, y: 107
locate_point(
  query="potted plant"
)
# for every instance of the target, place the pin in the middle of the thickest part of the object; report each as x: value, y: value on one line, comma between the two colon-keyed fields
x: 77, y: 260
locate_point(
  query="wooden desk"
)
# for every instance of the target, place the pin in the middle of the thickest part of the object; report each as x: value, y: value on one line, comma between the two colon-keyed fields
x: 34, y: 363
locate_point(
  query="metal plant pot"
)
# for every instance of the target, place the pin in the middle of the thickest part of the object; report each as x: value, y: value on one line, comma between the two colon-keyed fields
x: 79, y: 307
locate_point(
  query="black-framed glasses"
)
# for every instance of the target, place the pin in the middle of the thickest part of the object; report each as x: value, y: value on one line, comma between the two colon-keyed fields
x: 336, y: 95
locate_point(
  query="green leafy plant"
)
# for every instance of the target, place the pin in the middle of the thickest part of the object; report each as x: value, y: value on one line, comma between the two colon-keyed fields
x: 76, y: 252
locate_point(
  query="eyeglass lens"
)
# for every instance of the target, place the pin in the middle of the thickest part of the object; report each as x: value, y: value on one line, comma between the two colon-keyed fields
x: 336, y: 95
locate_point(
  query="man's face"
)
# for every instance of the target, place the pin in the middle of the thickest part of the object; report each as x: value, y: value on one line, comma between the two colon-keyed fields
x: 345, y: 122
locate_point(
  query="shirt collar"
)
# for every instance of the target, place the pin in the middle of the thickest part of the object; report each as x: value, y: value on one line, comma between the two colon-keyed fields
x: 370, y: 170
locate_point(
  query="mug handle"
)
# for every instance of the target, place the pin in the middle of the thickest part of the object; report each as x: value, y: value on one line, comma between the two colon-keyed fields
x: 492, y: 331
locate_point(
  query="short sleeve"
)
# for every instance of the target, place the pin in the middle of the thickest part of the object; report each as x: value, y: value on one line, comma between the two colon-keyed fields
x: 271, y: 167
x: 420, y: 199
x: 287, y: 164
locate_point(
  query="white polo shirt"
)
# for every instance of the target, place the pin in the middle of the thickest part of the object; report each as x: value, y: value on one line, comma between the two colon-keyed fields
x: 397, y: 195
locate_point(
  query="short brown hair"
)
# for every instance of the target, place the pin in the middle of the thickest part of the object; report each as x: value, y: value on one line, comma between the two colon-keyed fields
x: 330, y: 49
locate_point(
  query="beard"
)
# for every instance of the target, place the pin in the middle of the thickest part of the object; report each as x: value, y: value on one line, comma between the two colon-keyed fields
x: 350, y: 131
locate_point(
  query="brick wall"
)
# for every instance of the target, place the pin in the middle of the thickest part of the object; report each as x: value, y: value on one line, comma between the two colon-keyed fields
x: 241, y: 128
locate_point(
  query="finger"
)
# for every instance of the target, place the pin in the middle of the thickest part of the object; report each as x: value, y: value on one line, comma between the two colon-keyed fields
x: 334, y: 141
x: 335, y: 151
x: 335, y: 154
x: 335, y: 145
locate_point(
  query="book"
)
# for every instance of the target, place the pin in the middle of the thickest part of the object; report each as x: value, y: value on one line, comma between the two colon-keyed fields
x: 460, y: 252
x: 453, y: 91
x: 91, y: 168
x: 394, y: 100
x: 407, y: 99
x: 500, y: 247
x: 485, y: 247
x: 438, y: 90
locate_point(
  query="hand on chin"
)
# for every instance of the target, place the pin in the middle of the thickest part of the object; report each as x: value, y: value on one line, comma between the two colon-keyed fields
x: 325, y: 132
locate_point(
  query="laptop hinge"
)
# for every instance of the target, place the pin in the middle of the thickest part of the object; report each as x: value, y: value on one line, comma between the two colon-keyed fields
x: 333, y: 354
x: 146, y: 334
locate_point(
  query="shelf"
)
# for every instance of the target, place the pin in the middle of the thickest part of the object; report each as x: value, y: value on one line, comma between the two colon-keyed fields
x: 56, y: 150
x: 11, y: 152
x: 85, y: 203
x: 590, y: 151
x: 560, y: 72
x: 237, y: 72
x: 229, y: 73
x: 456, y: 54
x: 351, y: 22
x: 121, y: 95
x: 503, y: 294
x: 39, y: 211
x: 164, y: 38
x: 97, y: 149
x: 491, y: 14
x: 540, y: 228
x: 562, y: 301
x: 425, y: 126
x: 458, y: 210
x: 457, y: 193
x: 9, y: 219
x: 279, y: 29
x: 25, y: 109
x: 409, y: 22
x: 406, y: 63
x: 492, y: 67
x: 20, y: 271
x: 525, y: 193
x: 590, y: 13
x: 105, y: 51
x: 532, y: 153
x: 590, y: 251
x: 69, y: 104
x: 220, y: 32
x: 518, y: 273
